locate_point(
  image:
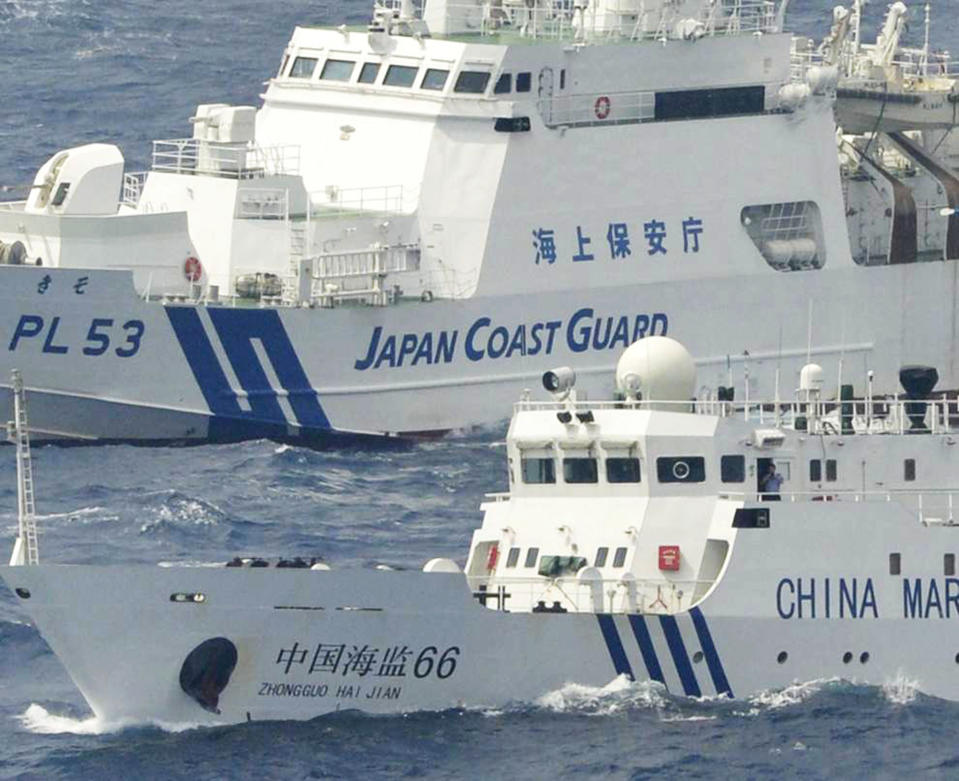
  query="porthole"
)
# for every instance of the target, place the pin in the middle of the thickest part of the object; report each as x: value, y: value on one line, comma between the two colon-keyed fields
x: 23, y: 593
x: 698, y: 657
x: 847, y: 657
x: 864, y: 657
x: 783, y: 656
x: 187, y: 597
x: 957, y: 658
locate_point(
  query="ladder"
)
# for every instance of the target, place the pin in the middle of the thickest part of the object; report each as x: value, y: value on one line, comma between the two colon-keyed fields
x: 26, y: 550
x: 299, y: 239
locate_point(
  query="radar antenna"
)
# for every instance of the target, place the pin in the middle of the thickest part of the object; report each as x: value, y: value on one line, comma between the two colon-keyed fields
x: 25, y: 549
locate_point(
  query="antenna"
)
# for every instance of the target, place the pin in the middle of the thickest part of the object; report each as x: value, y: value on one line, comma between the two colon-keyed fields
x: 779, y: 359
x: 842, y: 354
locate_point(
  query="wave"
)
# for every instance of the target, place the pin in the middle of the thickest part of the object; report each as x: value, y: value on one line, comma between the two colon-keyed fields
x: 900, y: 690
x: 790, y: 696
x: 178, y: 510
x: 40, y: 721
x: 618, y: 695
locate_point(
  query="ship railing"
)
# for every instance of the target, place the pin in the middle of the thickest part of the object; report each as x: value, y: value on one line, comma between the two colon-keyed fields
x: 909, y: 64
x: 610, y: 109
x: 358, y: 274
x: 232, y: 161
x: 879, y: 415
x: 570, y: 594
x: 933, y: 506
x: 133, y: 188
x: 568, y: 20
x: 333, y: 201
x: 12, y: 206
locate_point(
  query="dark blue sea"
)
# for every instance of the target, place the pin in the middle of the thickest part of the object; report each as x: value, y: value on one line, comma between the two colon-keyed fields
x: 129, y: 71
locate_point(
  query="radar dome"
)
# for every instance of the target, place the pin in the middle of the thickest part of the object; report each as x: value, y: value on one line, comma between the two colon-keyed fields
x: 656, y: 368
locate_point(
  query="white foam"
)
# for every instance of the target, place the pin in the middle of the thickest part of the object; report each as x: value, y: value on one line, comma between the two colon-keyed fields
x: 619, y: 694
x: 900, y: 690
x: 39, y: 720
x: 796, y: 694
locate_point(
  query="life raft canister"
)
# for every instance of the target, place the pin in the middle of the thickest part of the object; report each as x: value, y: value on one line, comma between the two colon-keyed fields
x: 192, y: 269
x: 602, y: 107
x: 492, y: 558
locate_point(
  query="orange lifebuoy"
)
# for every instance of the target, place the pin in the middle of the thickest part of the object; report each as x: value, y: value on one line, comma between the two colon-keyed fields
x: 192, y: 269
x: 602, y: 107
x: 492, y: 558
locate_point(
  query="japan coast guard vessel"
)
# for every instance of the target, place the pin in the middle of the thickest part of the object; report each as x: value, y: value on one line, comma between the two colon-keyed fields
x: 425, y: 215
x: 633, y: 542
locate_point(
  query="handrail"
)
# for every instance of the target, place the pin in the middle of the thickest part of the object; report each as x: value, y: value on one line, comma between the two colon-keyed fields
x: 864, y: 416
x: 235, y: 161
x: 549, y: 20
x: 625, y: 594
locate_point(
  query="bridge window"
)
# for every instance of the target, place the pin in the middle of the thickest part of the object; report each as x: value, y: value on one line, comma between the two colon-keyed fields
x: 434, y: 78
x: 472, y: 81
x: 579, y: 470
x: 622, y: 470
x: 601, y: 555
x: 831, y: 470
x: 909, y: 469
x: 788, y: 235
x: 815, y: 471
x: 337, y: 70
x: 400, y: 76
x: 531, y: 555
x: 732, y: 469
x: 369, y: 72
x: 503, y: 84
x: 512, y: 557
x: 619, y: 558
x: 558, y: 566
x: 949, y: 564
x: 524, y: 81
x: 538, y: 470
x: 681, y: 469
x: 303, y: 68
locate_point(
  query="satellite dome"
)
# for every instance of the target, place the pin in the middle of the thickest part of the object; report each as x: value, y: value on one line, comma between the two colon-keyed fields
x: 656, y: 368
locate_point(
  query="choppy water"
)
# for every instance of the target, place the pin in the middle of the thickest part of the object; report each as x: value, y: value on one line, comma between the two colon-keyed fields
x: 74, y: 71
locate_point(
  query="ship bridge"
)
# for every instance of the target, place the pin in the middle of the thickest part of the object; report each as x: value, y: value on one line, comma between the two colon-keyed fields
x: 635, y: 505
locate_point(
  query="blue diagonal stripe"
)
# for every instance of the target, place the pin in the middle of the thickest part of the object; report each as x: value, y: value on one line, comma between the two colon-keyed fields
x: 217, y: 393
x: 641, y: 633
x: 615, y: 645
x: 709, y: 649
x: 678, y: 650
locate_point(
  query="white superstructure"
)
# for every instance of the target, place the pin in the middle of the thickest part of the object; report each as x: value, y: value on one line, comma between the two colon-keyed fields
x: 430, y: 212
x: 714, y: 546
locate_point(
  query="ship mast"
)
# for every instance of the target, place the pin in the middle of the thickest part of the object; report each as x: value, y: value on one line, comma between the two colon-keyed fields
x: 25, y: 549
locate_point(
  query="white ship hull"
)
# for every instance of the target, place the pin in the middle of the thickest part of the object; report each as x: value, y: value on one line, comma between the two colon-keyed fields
x: 168, y: 372
x: 787, y: 607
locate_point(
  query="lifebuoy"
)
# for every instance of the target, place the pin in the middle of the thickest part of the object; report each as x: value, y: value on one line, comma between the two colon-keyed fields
x: 492, y: 558
x: 192, y: 269
x: 602, y: 107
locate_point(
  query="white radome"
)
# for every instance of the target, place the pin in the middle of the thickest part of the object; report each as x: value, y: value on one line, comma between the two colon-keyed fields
x: 656, y: 368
